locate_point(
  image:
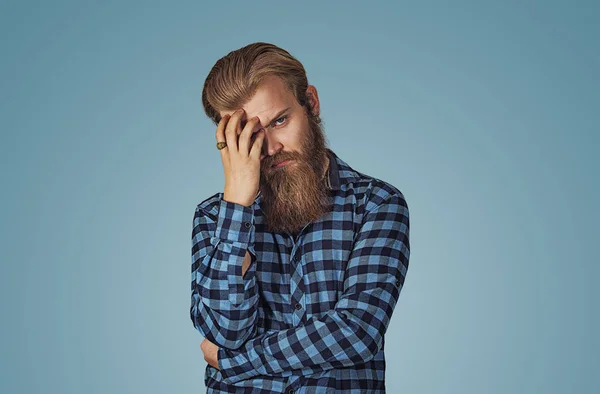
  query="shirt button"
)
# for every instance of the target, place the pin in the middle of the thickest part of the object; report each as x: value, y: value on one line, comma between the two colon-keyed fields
x: 397, y: 283
x: 290, y: 391
x: 247, y: 224
x: 298, y: 306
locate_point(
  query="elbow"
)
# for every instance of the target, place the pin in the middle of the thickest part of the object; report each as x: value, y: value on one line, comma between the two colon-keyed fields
x: 370, y: 346
x: 368, y: 338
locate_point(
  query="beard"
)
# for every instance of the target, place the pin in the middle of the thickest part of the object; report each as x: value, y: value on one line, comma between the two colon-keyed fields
x: 296, y: 194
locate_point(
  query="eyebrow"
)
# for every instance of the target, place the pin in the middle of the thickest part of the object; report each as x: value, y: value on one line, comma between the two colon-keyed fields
x: 278, y: 115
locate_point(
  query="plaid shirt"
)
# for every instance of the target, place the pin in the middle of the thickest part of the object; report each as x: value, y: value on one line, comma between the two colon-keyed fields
x: 311, y: 312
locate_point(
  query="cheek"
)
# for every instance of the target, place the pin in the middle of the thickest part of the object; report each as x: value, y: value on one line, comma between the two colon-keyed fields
x: 295, y: 136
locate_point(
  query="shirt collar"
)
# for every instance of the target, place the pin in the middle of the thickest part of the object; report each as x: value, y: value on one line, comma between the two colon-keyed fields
x: 340, y: 173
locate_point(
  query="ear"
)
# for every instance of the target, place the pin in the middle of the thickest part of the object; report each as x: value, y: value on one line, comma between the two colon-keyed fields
x: 313, y: 99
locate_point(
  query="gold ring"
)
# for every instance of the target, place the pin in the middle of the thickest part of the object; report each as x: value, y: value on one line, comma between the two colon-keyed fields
x: 221, y: 145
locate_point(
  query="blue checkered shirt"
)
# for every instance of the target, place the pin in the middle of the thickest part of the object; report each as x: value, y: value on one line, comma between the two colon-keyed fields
x: 310, y: 314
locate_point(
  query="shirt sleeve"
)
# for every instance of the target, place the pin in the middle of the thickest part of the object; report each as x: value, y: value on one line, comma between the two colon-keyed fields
x: 224, y: 303
x: 352, y: 332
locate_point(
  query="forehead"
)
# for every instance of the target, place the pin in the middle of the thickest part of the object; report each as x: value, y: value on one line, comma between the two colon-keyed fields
x: 271, y: 97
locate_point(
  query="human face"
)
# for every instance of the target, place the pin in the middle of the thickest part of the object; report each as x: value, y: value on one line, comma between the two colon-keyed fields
x: 283, y: 118
x: 295, y: 193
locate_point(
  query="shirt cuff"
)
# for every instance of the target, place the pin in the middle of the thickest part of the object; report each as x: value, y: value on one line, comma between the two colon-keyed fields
x: 235, y: 222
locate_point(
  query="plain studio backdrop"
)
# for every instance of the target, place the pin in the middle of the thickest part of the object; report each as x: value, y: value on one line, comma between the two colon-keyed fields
x: 484, y: 114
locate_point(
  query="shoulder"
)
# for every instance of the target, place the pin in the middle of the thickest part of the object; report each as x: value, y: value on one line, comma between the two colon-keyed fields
x: 368, y: 191
x: 377, y: 192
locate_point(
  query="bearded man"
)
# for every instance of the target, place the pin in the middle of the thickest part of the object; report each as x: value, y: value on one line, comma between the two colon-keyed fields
x: 298, y: 264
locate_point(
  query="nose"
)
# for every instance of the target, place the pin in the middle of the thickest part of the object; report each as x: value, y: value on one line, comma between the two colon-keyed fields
x: 271, y: 145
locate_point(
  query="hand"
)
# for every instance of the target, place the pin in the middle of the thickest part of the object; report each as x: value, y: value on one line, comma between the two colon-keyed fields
x: 211, y: 353
x: 241, y: 161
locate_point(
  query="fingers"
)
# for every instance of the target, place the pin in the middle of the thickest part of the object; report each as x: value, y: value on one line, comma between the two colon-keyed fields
x: 251, y: 137
x: 231, y: 131
x: 221, y: 133
x: 258, y: 144
x: 247, y: 132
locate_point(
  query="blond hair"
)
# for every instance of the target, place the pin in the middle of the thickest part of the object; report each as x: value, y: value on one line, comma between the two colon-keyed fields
x: 234, y: 78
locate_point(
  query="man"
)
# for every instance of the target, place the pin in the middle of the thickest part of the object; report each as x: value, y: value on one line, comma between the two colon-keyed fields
x: 297, y: 266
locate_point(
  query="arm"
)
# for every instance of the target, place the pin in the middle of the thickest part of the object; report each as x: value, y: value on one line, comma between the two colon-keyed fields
x: 351, y: 333
x: 224, y: 299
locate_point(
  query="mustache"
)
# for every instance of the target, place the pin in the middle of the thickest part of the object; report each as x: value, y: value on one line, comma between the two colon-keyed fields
x: 273, y: 160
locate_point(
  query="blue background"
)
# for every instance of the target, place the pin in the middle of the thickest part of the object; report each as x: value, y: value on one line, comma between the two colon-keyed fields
x: 484, y: 114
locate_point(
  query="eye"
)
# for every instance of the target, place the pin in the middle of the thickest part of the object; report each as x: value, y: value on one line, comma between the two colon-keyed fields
x: 280, y: 121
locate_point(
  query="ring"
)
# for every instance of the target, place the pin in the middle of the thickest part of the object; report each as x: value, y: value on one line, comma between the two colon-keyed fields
x: 221, y: 145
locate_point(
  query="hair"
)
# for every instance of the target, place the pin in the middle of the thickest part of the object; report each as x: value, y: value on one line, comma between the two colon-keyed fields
x: 234, y: 78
